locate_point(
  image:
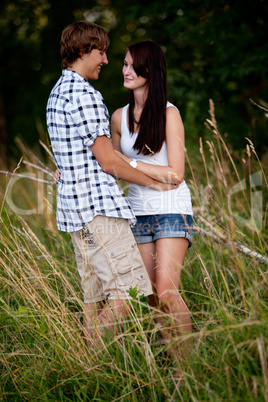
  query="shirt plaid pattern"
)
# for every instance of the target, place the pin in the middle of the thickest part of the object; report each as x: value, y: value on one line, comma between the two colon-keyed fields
x: 76, y: 115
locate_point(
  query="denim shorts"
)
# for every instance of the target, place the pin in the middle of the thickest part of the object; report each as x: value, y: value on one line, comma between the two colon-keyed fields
x: 150, y: 228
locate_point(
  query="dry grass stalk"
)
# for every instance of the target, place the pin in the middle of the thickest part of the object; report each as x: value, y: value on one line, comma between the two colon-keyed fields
x: 218, y: 237
x: 22, y: 176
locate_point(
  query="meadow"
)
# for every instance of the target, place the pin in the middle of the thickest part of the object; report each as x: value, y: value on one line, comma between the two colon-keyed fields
x: 43, y: 356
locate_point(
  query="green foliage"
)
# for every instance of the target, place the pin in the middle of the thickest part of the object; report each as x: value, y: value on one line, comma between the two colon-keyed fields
x: 213, y: 49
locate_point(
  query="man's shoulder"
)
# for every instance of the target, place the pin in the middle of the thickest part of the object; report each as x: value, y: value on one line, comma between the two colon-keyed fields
x: 72, y: 87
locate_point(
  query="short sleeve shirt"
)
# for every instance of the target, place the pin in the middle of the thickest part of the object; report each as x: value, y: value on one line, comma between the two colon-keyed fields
x: 76, y: 116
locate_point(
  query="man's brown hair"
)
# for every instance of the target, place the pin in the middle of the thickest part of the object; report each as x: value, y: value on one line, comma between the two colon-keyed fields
x: 80, y: 38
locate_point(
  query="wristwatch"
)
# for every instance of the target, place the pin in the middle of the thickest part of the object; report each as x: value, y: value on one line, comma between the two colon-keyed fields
x: 133, y: 163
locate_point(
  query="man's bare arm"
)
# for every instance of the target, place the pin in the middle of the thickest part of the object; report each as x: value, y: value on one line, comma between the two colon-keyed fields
x: 111, y: 163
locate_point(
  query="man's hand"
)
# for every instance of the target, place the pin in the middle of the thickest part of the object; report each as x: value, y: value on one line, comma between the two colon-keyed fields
x: 56, y: 177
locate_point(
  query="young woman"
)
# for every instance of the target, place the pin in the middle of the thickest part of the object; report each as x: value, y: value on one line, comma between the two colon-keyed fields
x: 149, y: 134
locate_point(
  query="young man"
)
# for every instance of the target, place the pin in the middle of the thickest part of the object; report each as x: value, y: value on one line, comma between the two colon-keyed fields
x: 90, y: 204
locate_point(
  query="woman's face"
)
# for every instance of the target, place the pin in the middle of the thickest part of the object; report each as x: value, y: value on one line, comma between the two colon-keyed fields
x: 131, y: 79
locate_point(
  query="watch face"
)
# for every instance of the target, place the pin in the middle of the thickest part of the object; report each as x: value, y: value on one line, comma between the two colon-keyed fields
x: 133, y: 163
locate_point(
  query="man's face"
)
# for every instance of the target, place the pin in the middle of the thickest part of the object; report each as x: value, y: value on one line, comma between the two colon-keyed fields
x: 92, y: 63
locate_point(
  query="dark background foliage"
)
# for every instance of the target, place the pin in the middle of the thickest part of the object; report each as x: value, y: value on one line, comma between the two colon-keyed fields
x: 214, y: 49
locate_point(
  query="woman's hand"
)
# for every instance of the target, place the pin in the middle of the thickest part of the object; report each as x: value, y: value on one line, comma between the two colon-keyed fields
x: 57, y: 175
x: 160, y: 186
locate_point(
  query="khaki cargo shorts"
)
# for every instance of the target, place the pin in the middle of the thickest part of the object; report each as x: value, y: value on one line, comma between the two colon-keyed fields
x: 109, y: 261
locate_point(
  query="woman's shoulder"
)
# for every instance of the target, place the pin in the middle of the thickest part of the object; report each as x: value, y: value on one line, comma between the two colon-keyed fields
x: 171, y: 106
x: 117, y: 115
x: 118, y: 119
x: 172, y: 110
x: 173, y: 118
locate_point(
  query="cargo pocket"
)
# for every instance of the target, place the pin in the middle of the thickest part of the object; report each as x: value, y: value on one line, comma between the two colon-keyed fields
x: 128, y: 268
x: 88, y: 237
x: 141, y: 277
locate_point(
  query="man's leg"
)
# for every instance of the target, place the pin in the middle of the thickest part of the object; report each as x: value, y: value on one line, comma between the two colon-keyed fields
x: 109, y: 264
x: 111, y: 316
x: 92, y: 324
x: 101, y: 317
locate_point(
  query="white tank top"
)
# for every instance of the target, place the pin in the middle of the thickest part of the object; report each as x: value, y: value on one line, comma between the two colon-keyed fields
x: 144, y: 200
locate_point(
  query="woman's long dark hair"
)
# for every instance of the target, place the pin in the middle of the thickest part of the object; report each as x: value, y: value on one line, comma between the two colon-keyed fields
x: 149, y: 62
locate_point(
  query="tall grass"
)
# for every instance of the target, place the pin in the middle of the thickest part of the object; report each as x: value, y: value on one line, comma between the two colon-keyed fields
x: 42, y: 352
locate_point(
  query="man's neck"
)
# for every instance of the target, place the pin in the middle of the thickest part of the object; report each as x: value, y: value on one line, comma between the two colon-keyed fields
x: 77, y: 67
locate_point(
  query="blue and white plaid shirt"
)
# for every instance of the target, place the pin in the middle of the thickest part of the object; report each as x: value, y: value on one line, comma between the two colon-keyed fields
x: 76, y: 116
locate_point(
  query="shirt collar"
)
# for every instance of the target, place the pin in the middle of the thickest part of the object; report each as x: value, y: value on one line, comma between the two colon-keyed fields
x: 71, y: 73
x: 68, y: 72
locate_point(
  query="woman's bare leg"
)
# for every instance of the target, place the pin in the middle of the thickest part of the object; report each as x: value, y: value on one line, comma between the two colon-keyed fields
x: 148, y: 252
x: 170, y: 254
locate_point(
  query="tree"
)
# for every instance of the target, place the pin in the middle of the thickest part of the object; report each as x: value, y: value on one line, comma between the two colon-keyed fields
x: 213, y: 49
x: 29, y: 44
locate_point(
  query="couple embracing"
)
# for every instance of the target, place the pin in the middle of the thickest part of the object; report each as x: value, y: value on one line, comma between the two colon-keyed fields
x: 121, y: 242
